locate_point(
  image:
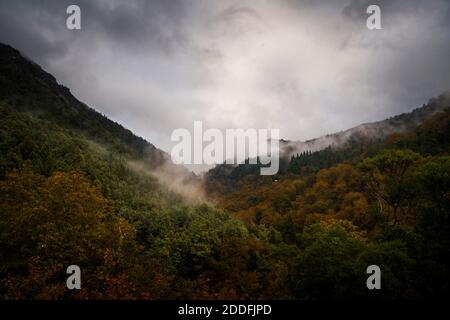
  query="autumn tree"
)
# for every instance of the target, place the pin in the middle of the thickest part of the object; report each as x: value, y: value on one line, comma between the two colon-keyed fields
x: 47, y: 224
x: 390, y: 182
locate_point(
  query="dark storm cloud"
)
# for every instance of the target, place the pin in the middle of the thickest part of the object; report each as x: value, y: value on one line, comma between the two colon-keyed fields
x: 307, y: 67
x: 129, y: 24
x: 416, y: 60
x: 356, y: 9
x: 159, y: 23
x: 393, y: 10
x: 18, y: 24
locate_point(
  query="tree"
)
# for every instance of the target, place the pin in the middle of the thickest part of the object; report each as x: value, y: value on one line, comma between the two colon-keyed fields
x: 47, y: 224
x: 390, y: 183
x: 333, y: 262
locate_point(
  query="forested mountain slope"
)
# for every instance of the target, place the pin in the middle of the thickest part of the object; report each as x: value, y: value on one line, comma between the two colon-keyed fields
x: 370, y: 132
x: 424, y: 130
x: 77, y: 188
x: 27, y: 88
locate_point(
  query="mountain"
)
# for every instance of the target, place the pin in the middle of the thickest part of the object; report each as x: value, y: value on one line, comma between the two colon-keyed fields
x: 425, y: 130
x: 77, y: 188
x: 26, y: 88
x: 369, y: 132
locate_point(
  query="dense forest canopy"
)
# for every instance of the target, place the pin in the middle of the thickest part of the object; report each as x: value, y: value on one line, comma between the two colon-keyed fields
x: 68, y: 195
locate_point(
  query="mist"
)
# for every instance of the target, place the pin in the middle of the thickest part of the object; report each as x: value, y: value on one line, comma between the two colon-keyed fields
x: 306, y: 68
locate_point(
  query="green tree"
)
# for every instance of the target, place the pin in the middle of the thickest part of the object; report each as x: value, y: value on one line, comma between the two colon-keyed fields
x: 390, y: 182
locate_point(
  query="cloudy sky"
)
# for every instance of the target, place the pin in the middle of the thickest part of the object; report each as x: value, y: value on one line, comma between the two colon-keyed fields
x: 306, y: 67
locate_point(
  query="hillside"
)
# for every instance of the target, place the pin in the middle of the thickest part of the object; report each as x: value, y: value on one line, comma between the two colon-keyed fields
x: 26, y: 88
x: 392, y: 194
x: 77, y: 188
x: 369, y: 132
x: 422, y: 130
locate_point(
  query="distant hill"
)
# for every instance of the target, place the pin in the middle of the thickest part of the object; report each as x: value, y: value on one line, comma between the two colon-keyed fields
x: 369, y: 132
x: 425, y: 130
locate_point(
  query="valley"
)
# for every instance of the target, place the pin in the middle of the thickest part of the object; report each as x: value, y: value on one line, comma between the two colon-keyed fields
x: 78, y: 188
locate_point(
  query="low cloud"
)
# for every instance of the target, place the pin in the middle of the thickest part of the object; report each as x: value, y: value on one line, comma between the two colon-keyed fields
x: 304, y: 67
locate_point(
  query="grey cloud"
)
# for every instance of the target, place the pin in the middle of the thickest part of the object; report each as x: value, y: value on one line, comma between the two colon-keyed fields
x: 19, y: 22
x: 307, y: 67
x: 356, y: 9
x: 234, y: 12
x: 134, y: 25
x: 156, y: 24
